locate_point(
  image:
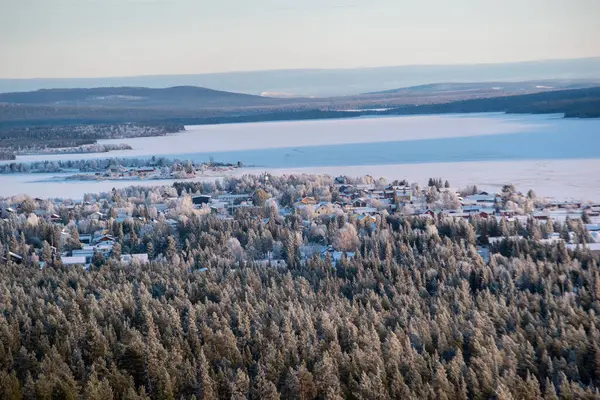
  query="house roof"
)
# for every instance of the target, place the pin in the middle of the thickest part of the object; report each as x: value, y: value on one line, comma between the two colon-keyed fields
x: 142, y: 257
x: 589, y: 246
x: 73, y: 260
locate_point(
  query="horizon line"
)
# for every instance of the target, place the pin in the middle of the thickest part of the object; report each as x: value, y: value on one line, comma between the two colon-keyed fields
x: 307, y: 69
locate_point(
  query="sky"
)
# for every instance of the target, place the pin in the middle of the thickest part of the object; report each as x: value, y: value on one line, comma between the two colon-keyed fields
x: 96, y: 38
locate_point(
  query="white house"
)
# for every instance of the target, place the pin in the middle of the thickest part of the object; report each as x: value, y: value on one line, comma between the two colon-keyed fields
x: 77, y: 260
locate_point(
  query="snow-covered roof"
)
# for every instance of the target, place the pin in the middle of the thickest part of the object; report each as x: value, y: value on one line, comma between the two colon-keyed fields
x: 498, y: 239
x: 364, y: 210
x: 481, y: 197
x: 73, y: 260
x: 589, y: 246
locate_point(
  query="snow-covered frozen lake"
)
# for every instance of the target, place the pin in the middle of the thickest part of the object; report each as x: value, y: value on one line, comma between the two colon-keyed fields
x: 555, y: 156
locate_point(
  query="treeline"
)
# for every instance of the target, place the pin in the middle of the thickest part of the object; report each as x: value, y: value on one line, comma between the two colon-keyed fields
x: 90, y: 148
x: 92, y: 165
x: 4, y: 155
x: 573, y: 103
x: 32, y: 138
x: 416, y: 314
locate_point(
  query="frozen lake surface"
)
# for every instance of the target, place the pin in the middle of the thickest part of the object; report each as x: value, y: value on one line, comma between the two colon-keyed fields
x: 555, y: 156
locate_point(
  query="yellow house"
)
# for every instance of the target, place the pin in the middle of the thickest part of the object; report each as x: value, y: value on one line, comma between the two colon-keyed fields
x: 404, y: 197
x: 308, y: 201
x: 367, y: 219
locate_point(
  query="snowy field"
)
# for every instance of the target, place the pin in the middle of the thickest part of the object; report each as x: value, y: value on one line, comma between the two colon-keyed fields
x: 37, y: 185
x: 556, y: 157
x: 559, y: 179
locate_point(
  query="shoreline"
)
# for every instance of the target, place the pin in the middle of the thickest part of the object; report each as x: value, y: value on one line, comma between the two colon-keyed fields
x: 552, y: 179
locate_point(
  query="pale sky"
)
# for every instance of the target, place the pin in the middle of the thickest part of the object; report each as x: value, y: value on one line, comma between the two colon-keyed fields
x: 94, y: 38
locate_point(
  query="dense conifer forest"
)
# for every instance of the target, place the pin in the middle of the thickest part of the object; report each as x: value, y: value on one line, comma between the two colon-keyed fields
x: 410, y: 311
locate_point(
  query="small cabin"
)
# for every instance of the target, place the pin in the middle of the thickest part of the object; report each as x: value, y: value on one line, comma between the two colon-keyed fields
x: 201, y: 199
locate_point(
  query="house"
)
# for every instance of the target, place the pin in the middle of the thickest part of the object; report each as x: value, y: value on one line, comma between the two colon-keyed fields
x: 592, y: 227
x: 484, y: 252
x: 85, y: 238
x: 539, y: 215
x: 88, y: 251
x: 122, y: 218
x: 404, y: 197
x: 482, y: 197
x: 367, y: 221
x: 14, y: 257
x: 377, y: 194
x: 77, y: 260
x: 364, y: 210
x: 97, y: 215
x: 340, y: 180
x: 457, y: 214
x: 506, y: 213
x: 360, y: 202
x: 346, y: 189
x: 201, y: 199
x: 326, y: 208
x: 232, y: 198
x: 593, y: 247
x: 337, y: 256
x: 306, y: 201
x: 160, y: 207
x: 272, y: 263
x: 498, y: 239
x: 428, y: 213
x: 565, y: 204
x: 105, y: 238
x: 368, y: 186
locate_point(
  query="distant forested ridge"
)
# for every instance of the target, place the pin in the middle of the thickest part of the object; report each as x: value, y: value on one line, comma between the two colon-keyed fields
x: 31, y: 138
x: 582, y: 103
x: 573, y: 103
x: 178, y: 96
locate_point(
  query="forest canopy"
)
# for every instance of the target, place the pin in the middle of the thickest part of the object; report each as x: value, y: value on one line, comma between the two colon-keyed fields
x: 413, y: 313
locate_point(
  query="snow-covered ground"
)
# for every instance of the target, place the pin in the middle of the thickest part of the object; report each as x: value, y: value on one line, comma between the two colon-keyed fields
x: 560, y: 179
x: 39, y: 185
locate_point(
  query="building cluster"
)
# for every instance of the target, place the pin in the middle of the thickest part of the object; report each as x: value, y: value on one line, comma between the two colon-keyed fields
x: 89, y: 226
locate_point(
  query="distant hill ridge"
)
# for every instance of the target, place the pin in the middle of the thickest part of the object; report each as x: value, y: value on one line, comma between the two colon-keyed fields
x: 176, y: 96
x: 333, y: 82
x: 195, y: 106
x: 500, y: 86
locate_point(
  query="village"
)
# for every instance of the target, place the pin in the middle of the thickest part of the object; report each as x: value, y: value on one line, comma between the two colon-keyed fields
x: 116, y: 226
x: 153, y: 172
